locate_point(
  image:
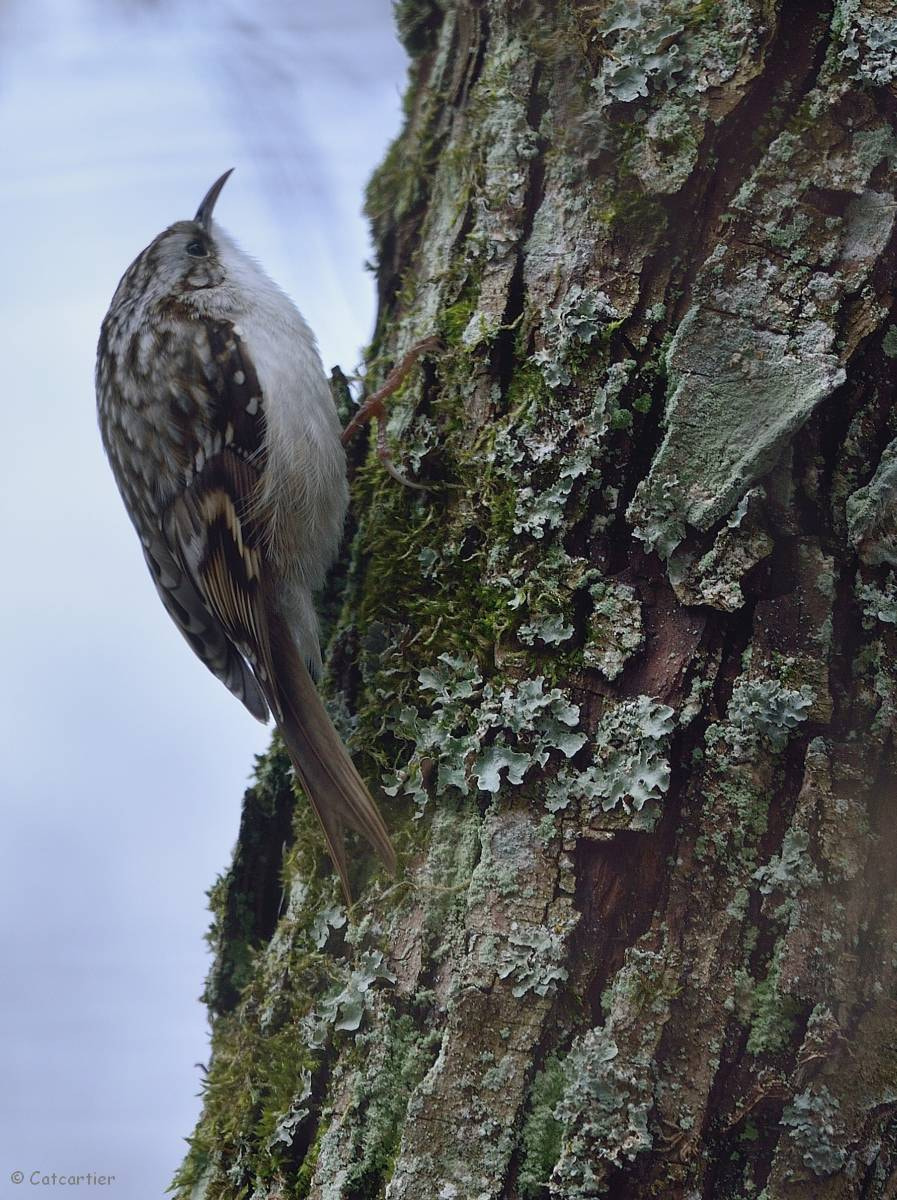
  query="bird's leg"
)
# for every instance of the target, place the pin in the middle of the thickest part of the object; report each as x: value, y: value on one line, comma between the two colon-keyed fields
x: 375, y: 406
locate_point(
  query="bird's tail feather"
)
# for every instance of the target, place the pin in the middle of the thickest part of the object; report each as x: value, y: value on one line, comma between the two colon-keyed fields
x: 322, y: 763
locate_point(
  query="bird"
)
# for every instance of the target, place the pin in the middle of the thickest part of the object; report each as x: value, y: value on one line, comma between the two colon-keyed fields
x: 223, y: 437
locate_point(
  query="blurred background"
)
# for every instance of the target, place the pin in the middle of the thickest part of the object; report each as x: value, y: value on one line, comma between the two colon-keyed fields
x: 122, y: 761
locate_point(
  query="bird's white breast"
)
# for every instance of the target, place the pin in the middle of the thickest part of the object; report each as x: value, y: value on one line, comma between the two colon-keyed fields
x: 306, y: 494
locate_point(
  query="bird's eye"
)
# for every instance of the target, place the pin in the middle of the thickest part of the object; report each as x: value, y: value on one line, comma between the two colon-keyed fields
x: 197, y: 248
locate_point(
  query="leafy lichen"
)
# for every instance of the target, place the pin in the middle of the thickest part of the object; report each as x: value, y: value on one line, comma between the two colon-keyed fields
x: 533, y: 956
x: 763, y: 711
x: 812, y: 1123
x: 481, y: 732
x: 872, y: 513
x: 879, y: 603
x: 360, y: 1150
x: 616, y: 630
x: 630, y: 770
x: 578, y: 320
x: 865, y: 42
x: 604, y: 1111
x: 792, y: 869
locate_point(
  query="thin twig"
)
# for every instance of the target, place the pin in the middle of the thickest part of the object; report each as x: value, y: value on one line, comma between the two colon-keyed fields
x: 374, y: 407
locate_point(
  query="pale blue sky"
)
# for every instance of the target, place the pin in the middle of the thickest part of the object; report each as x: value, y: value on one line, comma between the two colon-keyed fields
x: 122, y: 762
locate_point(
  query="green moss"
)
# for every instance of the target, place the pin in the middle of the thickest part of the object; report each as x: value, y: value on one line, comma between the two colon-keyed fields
x: 540, y: 1139
x: 393, y: 1060
x: 398, y: 188
x: 257, y: 1094
x: 701, y: 11
x: 629, y: 207
x: 244, y: 901
x: 527, y: 387
x: 390, y: 189
x: 455, y: 319
x: 252, y: 1081
x: 308, y: 1166
x: 774, y: 1013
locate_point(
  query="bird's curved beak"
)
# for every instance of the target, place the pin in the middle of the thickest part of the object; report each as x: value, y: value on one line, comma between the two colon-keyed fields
x: 204, y: 212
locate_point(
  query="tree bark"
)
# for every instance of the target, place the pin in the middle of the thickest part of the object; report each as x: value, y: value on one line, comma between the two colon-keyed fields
x: 624, y: 671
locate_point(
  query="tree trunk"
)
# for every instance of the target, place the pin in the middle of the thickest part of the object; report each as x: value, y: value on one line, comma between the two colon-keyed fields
x: 625, y: 670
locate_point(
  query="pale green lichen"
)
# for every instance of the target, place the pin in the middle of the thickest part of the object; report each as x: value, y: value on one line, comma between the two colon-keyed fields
x: 611, y: 1076
x: 357, y: 1151
x: 715, y: 579
x: 872, y: 513
x: 534, y: 956
x: 813, y: 1126
x: 879, y: 603
x: 865, y: 41
x: 580, y: 318
x: 762, y: 345
x: 763, y: 711
x: 344, y: 1006
x: 480, y: 731
x: 666, y: 156
x: 616, y: 631
x: 568, y: 445
x: 548, y: 453
x: 550, y: 630
x: 630, y: 770
x: 791, y: 870
x: 645, y: 50
x: 659, y: 63
x: 663, y: 49
x: 331, y: 916
x: 286, y: 1126
x: 604, y: 1112
x: 739, y: 395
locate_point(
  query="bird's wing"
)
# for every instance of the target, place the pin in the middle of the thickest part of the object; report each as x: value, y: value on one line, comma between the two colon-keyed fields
x: 212, y: 579
x: 201, y: 628
x: 220, y: 546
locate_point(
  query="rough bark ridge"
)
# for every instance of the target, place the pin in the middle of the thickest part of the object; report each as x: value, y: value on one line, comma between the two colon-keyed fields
x: 626, y: 669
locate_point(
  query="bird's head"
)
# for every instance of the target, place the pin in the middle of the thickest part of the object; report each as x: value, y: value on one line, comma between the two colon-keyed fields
x: 187, y: 261
x: 193, y: 265
x: 187, y: 257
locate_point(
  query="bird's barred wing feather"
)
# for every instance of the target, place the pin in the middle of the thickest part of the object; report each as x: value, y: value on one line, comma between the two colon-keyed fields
x: 202, y: 629
x: 209, y: 530
x: 220, y: 547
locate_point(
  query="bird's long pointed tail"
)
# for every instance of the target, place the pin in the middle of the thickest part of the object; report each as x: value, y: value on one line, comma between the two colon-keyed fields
x: 322, y: 763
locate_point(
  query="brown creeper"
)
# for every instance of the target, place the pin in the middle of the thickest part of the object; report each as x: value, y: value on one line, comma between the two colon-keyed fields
x: 225, y: 444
